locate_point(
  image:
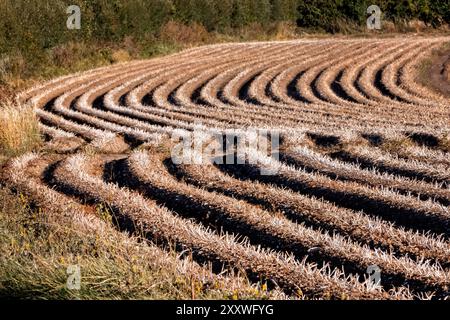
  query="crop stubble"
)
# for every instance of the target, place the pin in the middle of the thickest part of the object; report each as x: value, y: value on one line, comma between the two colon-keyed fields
x: 363, y: 176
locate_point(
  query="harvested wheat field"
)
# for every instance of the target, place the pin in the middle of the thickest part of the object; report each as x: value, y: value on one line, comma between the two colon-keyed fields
x: 362, y: 176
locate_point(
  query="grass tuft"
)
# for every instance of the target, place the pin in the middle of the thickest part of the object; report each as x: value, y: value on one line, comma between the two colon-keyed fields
x: 19, y: 129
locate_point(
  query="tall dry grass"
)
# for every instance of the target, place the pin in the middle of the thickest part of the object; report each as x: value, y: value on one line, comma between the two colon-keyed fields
x: 19, y: 129
x: 177, y: 32
x: 37, y: 247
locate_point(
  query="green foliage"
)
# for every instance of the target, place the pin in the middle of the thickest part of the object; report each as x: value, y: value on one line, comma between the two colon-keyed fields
x: 284, y: 10
x: 431, y: 12
x: 221, y: 15
x: 329, y: 15
x: 246, y: 12
x: 35, y: 25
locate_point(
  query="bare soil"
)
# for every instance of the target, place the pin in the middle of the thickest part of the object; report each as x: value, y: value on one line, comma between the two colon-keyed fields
x: 438, y: 75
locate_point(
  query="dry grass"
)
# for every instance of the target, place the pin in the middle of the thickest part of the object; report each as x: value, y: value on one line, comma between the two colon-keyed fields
x: 37, y: 247
x: 180, y: 33
x: 120, y: 55
x: 19, y: 129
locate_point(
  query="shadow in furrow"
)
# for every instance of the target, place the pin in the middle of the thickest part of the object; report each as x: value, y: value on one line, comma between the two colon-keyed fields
x: 378, y: 83
x: 222, y: 98
x: 125, y: 223
x: 196, y: 97
x: 172, y: 99
x: 337, y: 88
x: 324, y: 141
x: 374, y: 139
x: 315, y: 89
x: 291, y: 212
x: 49, y: 105
x: 356, y: 84
x: 372, y: 165
x: 406, y: 217
x: 147, y: 99
x: 424, y: 139
x: 269, y: 92
x: 99, y: 102
x: 244, y: 91
x: 48, y: 178
x: 214, y: 217
x: 123, y: 99
x: 293, y: 91
x: 292, y: 160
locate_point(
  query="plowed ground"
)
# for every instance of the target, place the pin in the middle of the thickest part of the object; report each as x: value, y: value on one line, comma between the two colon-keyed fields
x: 362, y: 179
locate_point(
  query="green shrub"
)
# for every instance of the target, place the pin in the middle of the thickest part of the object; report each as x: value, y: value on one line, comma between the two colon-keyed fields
x: 329, y: 15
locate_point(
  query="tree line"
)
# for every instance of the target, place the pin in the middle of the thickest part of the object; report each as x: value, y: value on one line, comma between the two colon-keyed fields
x: 41, y: 22
x: 32, y: 31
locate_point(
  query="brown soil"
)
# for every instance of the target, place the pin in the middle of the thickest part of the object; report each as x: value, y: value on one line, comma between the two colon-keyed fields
x: 64, y: 145
x: 6, y: 93
x: 438, y: 75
